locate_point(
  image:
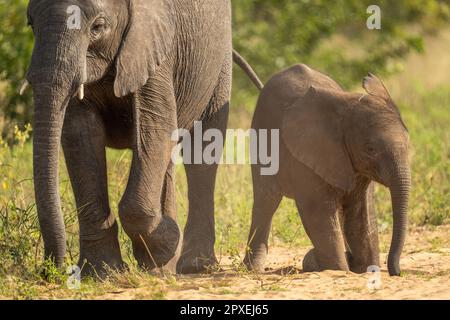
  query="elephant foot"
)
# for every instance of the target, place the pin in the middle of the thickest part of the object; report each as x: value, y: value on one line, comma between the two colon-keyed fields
x: 353, y: 266
x: 255, y: 262
x: 310, y: 263
x: 157, y: 248
x: 192, y: 264
x: 361, y: 265
x: 196, y: 259
x: 171, y: 266
x: 102, y: 269
x: 100, y: 254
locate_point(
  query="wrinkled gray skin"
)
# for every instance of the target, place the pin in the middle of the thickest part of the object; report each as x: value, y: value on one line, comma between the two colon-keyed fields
x: 333, y: 144
x: 148, y: 67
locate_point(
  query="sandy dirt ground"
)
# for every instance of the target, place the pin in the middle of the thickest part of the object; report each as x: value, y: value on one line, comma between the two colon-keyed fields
x: 425, y: 264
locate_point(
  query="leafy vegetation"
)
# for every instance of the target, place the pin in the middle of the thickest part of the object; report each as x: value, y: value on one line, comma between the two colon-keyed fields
x: 16, y: 45
x: 274, y: 34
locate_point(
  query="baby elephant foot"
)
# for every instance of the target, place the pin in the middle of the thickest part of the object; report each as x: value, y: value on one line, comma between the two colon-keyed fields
x: 100, y: 254
x: 157, y: 248
x: 361, y: 265
x: 195, y: 258
x: 310, y: 263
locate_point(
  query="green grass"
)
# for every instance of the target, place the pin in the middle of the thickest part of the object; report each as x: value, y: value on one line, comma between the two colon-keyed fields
x: 428, y: 118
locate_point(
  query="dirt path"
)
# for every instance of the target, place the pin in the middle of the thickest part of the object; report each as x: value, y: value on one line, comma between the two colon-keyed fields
x: 425, y: 263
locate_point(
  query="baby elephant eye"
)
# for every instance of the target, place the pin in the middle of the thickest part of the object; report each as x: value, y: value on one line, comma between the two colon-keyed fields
x: 370, y: 149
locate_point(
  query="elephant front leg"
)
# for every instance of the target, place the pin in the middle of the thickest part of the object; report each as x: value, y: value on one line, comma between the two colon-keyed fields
x: 361, y: 230
x: 154, y: 233
x: 319, y: 214
x: 84, y: 150
x: 169, y: 207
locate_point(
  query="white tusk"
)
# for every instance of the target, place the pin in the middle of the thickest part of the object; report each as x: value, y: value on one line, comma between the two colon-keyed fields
x: 81, y: 92
x: 24, y: 87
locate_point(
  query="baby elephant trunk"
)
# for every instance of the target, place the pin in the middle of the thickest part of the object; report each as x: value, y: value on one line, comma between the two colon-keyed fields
x: 400, y: 189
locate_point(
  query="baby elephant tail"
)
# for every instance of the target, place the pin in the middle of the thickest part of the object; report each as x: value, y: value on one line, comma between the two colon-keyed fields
x: 244, y: 65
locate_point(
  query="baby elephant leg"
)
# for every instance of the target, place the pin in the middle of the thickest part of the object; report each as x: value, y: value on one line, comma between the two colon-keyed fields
x: 361, y: 231
x: 310, y: 262
x: 321, y: 223
x: 264, y: 207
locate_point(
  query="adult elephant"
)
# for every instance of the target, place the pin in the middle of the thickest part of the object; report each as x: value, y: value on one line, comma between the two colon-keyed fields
x: 126, y: 75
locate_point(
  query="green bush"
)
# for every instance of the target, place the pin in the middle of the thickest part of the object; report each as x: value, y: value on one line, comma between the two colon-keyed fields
x: 274, y: 34
x: 16, y: 45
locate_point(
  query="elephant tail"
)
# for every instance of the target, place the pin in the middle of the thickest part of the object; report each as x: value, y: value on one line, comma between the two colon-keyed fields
x: 245, y: 66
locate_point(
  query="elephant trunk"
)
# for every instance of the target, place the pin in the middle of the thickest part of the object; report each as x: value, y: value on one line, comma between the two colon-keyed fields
x: 399, y: 189
x: 48, y: 121
x: 55, y: 75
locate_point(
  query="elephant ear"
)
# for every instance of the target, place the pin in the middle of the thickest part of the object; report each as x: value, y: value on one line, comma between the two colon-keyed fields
x: 147, y: 42
x: 375, y: 87
x: 313, y: 133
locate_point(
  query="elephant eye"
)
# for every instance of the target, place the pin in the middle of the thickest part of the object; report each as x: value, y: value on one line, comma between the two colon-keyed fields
x: 98, y: 27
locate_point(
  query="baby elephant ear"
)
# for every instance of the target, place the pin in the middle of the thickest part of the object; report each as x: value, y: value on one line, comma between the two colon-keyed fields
x: 375, y: 87
x: 145, y: 45
x: 313, y: 133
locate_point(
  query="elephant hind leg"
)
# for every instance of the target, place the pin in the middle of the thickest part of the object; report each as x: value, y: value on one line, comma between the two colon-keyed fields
x: 199, y: 233
x: 265, y: 203
x: 83, y: 142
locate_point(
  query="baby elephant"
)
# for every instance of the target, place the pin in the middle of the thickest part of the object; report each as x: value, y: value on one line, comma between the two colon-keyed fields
x: 333, y: 144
